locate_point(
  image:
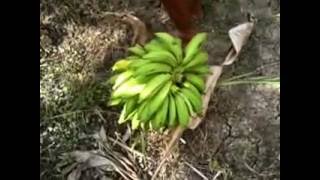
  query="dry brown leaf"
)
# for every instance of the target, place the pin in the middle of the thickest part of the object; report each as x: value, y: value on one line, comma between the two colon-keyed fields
x: 239, y: 36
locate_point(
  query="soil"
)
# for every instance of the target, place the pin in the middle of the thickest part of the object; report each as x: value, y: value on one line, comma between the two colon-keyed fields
x: 240, y: 136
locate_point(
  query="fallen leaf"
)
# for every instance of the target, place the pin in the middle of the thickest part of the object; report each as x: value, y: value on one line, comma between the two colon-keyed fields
x: 239, y: 36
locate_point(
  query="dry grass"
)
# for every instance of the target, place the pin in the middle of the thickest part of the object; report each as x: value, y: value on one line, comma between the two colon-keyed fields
x: 76, y: 49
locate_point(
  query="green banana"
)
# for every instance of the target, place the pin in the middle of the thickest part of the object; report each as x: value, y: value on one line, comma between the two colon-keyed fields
x: 155, y: 45
x: 152, y: 85
x: 182, y: 111
x: 122, y: 78
x: 192, y: 88
x: 157, y: 100
x: 193, y: 46
x: 114, y: 102
x: 130, y: 116
x: 128, y: 89
x: 121, y: 65
x: 201, y: 70
x: 188, y: 103
x: 144, y: 111
x: 172, y: 43
x: 122, y: 115
x: 199, y: 59
x: 135, y: 122
x: 130, y: 105
x: 195, y: 100
x: 161, y: 115
x: 128, y: 110
x: 165, y: 111
x: 196, y: 81
x: 137, y: 63
x: 166, y: 38
x: 152, y: 68
x: 177, y: 50
x: 172, y: 117
x: 113, y: 79
x: 133, y: 57
x: 161, y: 57
x: 137, y: 50
x: 174, y: 88
x: 141, y: 78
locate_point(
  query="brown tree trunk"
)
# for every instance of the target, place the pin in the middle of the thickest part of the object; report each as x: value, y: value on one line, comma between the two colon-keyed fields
x: 183, y: 13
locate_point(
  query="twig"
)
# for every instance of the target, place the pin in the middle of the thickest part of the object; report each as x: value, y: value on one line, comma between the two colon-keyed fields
x: 266, y: 82
x: 247, y: 75
x: 196, y: 171
x: 217, y: 175
x: 65, y: 114
x: 252, y: 72
x: 128, y: 148
x: 100, y: 115
x: 255, y: 172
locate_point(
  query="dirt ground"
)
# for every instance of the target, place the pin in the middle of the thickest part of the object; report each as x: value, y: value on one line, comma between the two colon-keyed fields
x: 240, y: 136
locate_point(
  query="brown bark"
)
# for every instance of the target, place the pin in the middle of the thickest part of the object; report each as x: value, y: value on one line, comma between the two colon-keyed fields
x: 183, y: 13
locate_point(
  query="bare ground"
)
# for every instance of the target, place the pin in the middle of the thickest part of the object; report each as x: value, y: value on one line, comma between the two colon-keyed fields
x: 240, y: 136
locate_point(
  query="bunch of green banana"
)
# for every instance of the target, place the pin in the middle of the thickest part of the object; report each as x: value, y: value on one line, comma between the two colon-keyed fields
x: 160, y: 85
